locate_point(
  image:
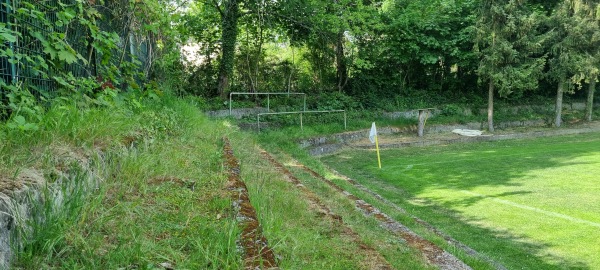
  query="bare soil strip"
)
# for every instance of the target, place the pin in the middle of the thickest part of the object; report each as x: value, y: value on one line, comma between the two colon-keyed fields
x: 425, y: 224
x: 445, y: 138
x: 257, y: 254
x: 394, y: 137
x: 432, y: 253
x: 374, y: 259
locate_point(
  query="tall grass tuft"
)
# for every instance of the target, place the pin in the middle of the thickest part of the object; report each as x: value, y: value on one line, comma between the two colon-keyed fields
x: 124, y: 187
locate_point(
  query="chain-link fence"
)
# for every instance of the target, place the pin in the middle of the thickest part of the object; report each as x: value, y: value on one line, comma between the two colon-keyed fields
x: 27, y: 51
x: 6, y: 68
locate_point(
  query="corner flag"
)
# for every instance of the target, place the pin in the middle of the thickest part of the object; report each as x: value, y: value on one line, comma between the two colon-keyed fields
x: 373, y: 133
x: 373, y: 139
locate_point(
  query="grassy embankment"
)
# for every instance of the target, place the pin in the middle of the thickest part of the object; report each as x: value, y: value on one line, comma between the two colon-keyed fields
x: 158, y: 201
x: 161, y: 202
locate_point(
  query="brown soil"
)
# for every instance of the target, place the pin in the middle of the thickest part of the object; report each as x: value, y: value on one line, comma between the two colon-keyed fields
x: 8, y: 186
x: 26, y: 177
x: 257, y: 254
x: 374, y: 259
x: 411, y: 138
x: 432, y: 253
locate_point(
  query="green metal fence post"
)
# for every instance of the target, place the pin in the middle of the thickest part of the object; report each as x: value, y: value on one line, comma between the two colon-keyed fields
x: 304, y: 102
x: 13, y: 67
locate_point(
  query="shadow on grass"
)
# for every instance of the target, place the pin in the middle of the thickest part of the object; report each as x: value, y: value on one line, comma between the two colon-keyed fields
x: 475, y: 199
x: 411, y: 172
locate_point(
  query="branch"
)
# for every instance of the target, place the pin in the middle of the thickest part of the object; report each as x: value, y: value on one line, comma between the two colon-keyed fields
x: 218, y: 8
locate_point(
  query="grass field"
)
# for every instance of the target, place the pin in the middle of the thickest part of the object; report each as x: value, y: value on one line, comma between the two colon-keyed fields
x: 528, y: 204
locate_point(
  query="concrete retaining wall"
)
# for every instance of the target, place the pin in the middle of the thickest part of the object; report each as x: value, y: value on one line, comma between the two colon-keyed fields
x: 15, y: 209
x: 328, y: 144
x: 536, y: 134
x: 22, y: 199
x: 237, y: 113
x: 331, y: 148
x: 413, y: 114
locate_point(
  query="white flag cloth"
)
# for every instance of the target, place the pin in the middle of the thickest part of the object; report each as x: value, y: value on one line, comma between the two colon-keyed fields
x: 372, y: 133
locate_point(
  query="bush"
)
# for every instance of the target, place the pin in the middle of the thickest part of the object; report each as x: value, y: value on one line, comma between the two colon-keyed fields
x: 451, y: 110
x: 333, y: 101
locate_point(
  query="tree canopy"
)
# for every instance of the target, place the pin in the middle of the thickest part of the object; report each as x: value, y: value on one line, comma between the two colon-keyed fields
x: 402, y: 52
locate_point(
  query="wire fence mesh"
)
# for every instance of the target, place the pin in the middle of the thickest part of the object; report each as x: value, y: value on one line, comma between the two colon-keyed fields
x: 19, y: 16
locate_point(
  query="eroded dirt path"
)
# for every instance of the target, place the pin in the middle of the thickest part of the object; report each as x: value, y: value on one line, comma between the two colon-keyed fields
x: 432, y: 253
x: 374, y: 259
x: 257, y: 254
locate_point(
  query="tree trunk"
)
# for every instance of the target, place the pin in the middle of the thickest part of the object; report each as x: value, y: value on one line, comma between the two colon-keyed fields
x: 589, y: 105
x: 258, y: 58
x: 559, y: 101
x: 340, y: 61
x: 248, y: 63
x: 491, y: 107
x: 229, y: 22
x: 289, y: 84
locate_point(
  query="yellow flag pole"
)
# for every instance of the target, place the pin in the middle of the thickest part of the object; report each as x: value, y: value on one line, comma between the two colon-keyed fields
x: 377, y: 147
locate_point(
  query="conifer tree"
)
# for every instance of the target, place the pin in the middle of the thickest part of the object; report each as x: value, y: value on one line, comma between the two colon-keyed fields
x: 574, y: 50
x: 509, y: 44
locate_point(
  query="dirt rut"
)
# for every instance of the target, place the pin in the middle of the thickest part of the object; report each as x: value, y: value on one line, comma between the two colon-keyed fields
x: 432, y: 253
x: 374, y: 259
x: 257, y: 254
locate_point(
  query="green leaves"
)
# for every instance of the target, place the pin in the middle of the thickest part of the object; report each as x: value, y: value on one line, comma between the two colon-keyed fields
x: 68, y: 56
x: 58, y: 48
x: 509, y: 35
x: 4, y: 36
x: 7, y: 35
x: 575, y: 50
x: 66, y: 15
x: 61, y: 81
x: 26, y: 112
x: 19, y: 123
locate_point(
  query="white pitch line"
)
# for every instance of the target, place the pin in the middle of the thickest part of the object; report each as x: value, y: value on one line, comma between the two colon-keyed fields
x: 537, y: 210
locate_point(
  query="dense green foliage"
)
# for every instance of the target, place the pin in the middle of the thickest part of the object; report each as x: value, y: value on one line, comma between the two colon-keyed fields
x: 510, y: 50
x: 574, y: 48
x: 390, y: 55
x: 401, y: 54
x: 80, y: 52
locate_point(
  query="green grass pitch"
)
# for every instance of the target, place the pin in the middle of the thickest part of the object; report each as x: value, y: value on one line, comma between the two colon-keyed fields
x: 528, y: 204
